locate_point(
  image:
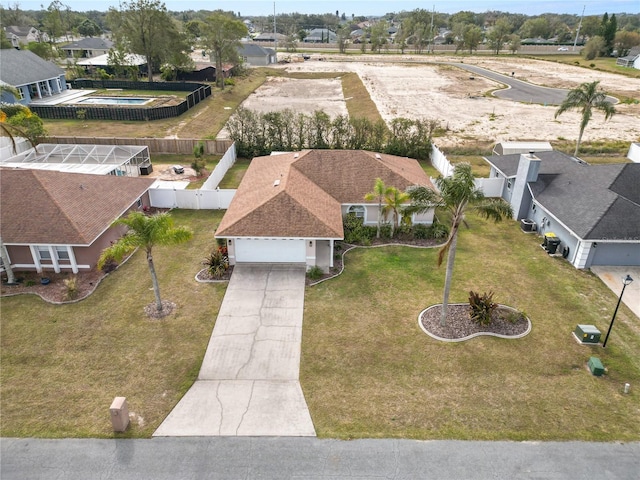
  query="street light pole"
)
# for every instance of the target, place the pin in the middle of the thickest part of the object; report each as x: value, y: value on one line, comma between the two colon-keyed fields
x: 627, y: 280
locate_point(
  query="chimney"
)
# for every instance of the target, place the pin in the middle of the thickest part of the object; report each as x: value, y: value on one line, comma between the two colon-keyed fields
x: 528, y: 169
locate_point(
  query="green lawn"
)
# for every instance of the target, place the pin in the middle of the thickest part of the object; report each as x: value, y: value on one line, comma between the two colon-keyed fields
x: 62, y: 365
x: 369, y: 371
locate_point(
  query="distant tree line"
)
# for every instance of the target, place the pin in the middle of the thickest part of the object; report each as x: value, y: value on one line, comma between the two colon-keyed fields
x: 257, y: 134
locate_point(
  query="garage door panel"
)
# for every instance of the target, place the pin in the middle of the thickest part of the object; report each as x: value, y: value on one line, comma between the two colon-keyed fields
x: 270, y: 251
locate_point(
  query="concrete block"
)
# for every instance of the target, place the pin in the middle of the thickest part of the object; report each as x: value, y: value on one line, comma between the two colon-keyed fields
x: 119, y: 414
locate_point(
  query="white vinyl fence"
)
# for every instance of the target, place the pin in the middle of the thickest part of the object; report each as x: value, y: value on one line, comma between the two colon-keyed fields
x: 209, y: 197
x: 491, y: 187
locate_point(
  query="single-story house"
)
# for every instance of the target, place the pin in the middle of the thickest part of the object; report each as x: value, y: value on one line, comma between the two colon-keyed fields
x: 32, y: 76
x: 632, y: 59
x: 255, y: 55
x: 321, y: 35
x: 289, y: 207
x: 594, y: 210
x: 87, y: 47
x: 20, y: 36
x: 270, y: 37
x: 62, y: 221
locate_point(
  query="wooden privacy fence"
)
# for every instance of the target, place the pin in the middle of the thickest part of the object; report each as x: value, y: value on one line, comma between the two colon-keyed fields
x: 180, y: 146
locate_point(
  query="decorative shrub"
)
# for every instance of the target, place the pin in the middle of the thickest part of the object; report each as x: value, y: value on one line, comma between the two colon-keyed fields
x: 109, y: 265
x: 71, y: 285
x: 481, y: 307
x: 315, y: 272
x: 421, y: 231
x: 356, y: 232
x: 438, y: 231
x: 217, y: 262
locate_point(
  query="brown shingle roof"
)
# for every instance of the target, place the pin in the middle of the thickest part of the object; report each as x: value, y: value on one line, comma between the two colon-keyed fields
x: 311, y: 187
x: 42, y: 206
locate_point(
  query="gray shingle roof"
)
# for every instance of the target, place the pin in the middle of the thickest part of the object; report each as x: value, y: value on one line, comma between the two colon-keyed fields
x: 89, y: 43
x: 252, y: 50
x: 22, y: 67
x: 597, y: 202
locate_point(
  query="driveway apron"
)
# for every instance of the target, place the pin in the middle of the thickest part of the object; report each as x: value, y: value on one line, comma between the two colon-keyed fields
x: 248, y: 384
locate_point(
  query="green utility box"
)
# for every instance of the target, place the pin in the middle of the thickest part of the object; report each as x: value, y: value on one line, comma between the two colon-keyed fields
x: 596, y: 367
x: 587, y: 334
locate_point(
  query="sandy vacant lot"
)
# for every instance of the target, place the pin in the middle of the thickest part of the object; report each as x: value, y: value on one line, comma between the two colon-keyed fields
x: 448, y: 94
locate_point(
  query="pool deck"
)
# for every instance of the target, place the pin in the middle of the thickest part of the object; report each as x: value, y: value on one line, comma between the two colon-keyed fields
x: 68, y: 96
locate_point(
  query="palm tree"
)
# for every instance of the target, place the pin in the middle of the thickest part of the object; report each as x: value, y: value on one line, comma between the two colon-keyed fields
x: 457, y: 194
x: 378, y: 193
x: 394, y: 199
x: 145, y: 231
x: 586, y: 98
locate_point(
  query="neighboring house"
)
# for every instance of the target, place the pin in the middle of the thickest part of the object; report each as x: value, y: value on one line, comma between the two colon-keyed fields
x: 32, y: 76
x: 255, y: 55
x: 87, y: 47
x: 102, y: 61
x: 630, y: 60
x: 62, y: 221
x: 321, y: 35
x: 270, y: 38
x: 289, y: 207
x: 593, y: 209
x: 21, y: 36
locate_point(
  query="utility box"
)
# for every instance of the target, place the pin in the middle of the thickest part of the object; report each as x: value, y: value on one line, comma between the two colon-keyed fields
x: 587, y: 334
x: 596, y: 367
x: 119, y: 414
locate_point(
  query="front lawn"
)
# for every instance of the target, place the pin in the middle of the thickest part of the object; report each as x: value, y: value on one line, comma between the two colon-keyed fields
x: 369, y: 371
x: 62, y: 365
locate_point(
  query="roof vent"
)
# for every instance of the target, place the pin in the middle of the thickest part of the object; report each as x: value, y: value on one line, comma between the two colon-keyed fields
x: 276, y: 182
x: 378, y: 156
x: 295, y: 155
x: 531, y: 154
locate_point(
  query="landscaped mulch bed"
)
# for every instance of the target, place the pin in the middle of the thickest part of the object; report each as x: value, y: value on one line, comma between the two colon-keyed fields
x: 459, y: 325
x: 56, y: 290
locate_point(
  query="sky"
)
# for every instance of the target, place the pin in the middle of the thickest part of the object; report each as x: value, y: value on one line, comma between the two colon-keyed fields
x: 250, y: 8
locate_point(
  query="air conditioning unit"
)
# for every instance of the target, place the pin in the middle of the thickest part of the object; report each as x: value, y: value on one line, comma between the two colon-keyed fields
x: 528, y: 225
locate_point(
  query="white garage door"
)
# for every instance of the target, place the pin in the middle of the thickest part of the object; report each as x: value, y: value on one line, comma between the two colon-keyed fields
x: 270, y: 251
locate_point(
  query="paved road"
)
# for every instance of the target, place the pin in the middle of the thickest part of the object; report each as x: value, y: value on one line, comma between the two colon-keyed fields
x: 310, y: 458
x: 520, y: 91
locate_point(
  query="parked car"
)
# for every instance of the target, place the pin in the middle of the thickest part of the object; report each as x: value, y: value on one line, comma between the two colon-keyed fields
x: 178, y: 169
x: 563, y: 49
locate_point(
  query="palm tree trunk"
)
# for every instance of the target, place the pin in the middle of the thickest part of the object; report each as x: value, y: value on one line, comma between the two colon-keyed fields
x: 447, y: 281
x: 154, y: 281
x: 579, y: 141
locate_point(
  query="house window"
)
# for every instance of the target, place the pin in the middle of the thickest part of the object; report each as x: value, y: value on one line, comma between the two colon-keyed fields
x: 357, y: 210
x: 62, y: 253
x: 139, y: 203
x: 509, y: 184
x: 43, y: 253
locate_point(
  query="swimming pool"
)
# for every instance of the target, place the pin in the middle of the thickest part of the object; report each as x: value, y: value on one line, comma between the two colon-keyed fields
x: 114, y: 101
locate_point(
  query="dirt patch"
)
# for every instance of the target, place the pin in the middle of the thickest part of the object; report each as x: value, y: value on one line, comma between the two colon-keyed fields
x: 163, y: 172
x: 300, y: 95
x: 466, y: 108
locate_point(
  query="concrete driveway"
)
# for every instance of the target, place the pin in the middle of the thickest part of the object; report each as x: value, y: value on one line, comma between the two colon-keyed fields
x: 612, y: 278
x: 248, y: 384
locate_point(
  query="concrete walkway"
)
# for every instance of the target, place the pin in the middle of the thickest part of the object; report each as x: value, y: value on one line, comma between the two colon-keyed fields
x: 612, y: 278
x: 248, y: 384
